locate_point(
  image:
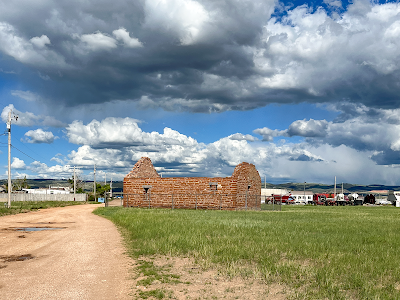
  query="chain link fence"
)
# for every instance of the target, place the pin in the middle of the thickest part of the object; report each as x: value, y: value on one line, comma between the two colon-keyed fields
x: 271, y: 204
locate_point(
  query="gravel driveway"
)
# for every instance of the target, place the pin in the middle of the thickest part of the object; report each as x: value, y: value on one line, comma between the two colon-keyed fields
x: 82, y: 257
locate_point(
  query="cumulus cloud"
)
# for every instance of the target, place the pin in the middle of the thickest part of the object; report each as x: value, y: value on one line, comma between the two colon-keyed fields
x: 357, y: 127
x: 310, y: 128
x: 18, y: 164
x: 28, y: 119
x: 40, y: 42
x: 116, y: 143
x: 98, y: 41
x: 44, y: 171
x: 59, y: 158
x: 39, y: 136
x: 309, y: 50
x: 240, y: 137
x: 22, y: 50
x: 123, y: 35
x: 122, y: 132
x: 269, y: 134
x: 121, y: 142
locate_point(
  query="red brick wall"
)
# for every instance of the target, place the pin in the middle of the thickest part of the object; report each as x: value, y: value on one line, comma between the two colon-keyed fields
x: 193, y: 192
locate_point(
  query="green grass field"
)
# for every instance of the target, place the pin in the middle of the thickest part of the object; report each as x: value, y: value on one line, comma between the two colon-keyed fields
x: 26, y: 206
x: 318, y: 252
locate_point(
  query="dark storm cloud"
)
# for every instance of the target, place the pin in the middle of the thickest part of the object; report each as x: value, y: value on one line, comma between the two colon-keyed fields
x: 387, y: 157
x: 202, y: 56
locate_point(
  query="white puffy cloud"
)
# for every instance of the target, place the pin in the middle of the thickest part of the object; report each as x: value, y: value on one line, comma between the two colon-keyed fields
x: 310, y: 50
x: 349, y: 145
x: 28, y: 118
x: 44, y: 171
x: 240, y: 137
x: 39, y: 136
x: 59, y: 158
x: 123, y: 35
x: 24, y: 119
x: 376, y: 131
x: 40, y: 42
x: 23, y: 50
x: 18, y: 164
x: 310, y: 128
x: 269, y: 134
x: 98, y: 41
x: 116, y: 144
x: 122, y: 132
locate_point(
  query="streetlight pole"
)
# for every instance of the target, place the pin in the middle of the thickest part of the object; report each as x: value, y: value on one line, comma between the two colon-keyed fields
x: 305, y: 192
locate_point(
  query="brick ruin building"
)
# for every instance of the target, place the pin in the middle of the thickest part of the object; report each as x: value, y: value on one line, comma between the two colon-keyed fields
x: 144, y: 187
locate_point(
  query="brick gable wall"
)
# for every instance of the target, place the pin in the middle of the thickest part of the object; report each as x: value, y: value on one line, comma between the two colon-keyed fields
x: 230, y: 193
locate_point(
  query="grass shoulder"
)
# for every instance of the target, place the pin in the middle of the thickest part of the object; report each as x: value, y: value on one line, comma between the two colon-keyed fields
x: 27, y: 206
x: 318, y: 252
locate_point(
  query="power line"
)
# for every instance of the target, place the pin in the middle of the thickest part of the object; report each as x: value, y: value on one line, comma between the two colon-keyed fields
x: 28, y: 148
x: 24, y: 153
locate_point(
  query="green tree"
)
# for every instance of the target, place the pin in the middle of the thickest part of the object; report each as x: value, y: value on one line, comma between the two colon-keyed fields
x: 19, y: 184
x: 102, y: 189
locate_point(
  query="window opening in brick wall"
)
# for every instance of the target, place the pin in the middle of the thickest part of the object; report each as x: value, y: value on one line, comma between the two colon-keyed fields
x: 213, y: 186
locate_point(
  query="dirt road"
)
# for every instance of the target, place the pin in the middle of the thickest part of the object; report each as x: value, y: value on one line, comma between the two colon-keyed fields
x: 82, y: 259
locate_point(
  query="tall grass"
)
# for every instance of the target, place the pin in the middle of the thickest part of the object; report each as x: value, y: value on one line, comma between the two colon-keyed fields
x: 320, y: 252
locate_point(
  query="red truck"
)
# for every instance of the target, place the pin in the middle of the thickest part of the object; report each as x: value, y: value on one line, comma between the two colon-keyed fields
x: 278, y: 199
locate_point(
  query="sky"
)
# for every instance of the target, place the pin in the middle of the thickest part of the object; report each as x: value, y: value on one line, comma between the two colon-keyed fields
x: 304, y: 90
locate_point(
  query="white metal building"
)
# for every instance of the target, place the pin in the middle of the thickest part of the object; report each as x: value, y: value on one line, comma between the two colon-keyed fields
x: 49, y: 191
x: 302, y: 197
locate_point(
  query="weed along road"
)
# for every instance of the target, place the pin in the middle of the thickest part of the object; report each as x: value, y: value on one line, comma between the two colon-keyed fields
x: 62, y: 253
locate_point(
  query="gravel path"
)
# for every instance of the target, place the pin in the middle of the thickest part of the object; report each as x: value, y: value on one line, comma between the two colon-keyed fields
x: 83, y: 259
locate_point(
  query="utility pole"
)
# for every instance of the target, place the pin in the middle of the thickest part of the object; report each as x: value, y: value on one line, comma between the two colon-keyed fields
x: 111, y: 188
x: 9, y: 158
x: 105, y: 191
x: 74, y: 184
x: 334, y: 190
x: 94, y: 182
